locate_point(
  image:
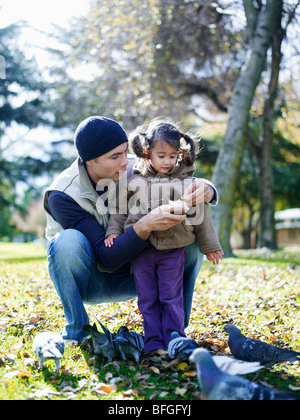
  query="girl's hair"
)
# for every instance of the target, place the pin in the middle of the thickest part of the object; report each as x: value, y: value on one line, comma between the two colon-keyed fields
x: 141, y: 142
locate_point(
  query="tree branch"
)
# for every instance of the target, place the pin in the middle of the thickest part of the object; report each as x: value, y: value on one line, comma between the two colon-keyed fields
x: 291, y: 15
x: 196, y: 87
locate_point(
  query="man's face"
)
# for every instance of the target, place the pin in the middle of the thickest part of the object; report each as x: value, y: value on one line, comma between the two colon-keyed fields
x: 112, y: 165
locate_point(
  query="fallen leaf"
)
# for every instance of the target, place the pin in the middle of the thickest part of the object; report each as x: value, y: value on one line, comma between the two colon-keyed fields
x: 68, y: 389
x: 127, y: 383
x: 116, y: 380
x: 163, y: 394
x: 108, y: 376
x: 11, y: 374
x: 25, y: 355
x: 168, y: 365
x: 294, y: 388
x: 182, y: 366
x: 24, y: 374
x: 155, y: 370
x: 40, y: 393
x: 154, y: 395
x: 190, y: 374
x: 82, y: 383
x: 104, y: 389
x: 130, y: 393
x: 161, y: 352
x: 180, y: 391
x: 108, y: 388
x: 92, y: 361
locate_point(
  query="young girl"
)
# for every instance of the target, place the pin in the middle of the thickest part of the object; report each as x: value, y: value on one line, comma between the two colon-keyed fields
x: 165, y: 166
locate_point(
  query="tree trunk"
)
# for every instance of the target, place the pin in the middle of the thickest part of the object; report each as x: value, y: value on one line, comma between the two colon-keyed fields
x: 267, y: 233
x: 226, y: 174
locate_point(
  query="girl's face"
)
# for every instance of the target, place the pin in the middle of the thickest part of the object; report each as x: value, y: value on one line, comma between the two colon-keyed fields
x: 163, y: 157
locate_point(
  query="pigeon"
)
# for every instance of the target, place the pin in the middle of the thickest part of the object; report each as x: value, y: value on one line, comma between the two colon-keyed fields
x: 129, y: 343
x: 181, y: 347
x: 49, y: 345
x: 250, y: 350
x: 98, y: 339
x: 236, y: 367
x: 102, y: 344
x: 218, y: 385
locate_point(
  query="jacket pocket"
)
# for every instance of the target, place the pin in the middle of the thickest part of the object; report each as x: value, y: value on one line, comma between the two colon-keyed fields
x: 188, y: 227
x: 164, y: 234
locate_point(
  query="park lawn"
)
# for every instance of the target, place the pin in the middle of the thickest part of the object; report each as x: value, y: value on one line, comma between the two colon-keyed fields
x: 18, y: 251
x: 259, y: 295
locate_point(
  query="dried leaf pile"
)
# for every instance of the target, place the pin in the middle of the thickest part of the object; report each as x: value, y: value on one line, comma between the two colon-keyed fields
x: 262, y: 298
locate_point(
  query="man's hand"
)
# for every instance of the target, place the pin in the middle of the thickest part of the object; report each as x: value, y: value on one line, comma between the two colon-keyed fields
x: 198, y: 192
x: 160, y: 219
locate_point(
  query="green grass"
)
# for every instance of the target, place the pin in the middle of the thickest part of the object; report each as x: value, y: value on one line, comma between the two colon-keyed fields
x: 19, y: 251
x: 260, y: 296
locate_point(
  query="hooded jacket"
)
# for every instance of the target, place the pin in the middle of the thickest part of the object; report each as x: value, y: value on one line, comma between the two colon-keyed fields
x: 147, y: 190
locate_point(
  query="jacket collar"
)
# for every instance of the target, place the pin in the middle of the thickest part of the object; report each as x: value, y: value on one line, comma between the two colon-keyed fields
x: 86, y: 188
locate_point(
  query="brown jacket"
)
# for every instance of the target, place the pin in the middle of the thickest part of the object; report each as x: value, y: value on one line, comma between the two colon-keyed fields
x: 146, y: 192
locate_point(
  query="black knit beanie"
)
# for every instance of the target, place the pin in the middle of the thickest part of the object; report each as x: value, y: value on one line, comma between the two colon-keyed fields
x: 96, y: 136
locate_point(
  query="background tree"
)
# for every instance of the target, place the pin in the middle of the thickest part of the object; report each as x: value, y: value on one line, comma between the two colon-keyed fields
x: 261, y: 22
x: 133, y: 61
x: 263, y: 146
x: 148, y: 59
x: 24, y: 105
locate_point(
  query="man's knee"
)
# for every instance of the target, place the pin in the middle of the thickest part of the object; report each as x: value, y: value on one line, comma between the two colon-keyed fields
x: 69, y: 242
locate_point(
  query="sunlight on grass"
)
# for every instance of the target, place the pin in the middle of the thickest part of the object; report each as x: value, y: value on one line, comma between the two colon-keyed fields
x: 13, y: 251
x: 260, y: 297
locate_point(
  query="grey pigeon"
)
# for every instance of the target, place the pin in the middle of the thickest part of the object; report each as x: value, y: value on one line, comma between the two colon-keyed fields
x: 181, y: 347
x: 102, y: 344
x: 250, y: 350
x: 98, y: 339
x: 236, y: 367
x: 49, y: 345
x: 218, y: 385
x: 129, y: 343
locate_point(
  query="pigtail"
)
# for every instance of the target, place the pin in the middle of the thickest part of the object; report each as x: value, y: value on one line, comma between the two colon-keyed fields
x: 188, y: 148
x: 137, y: 144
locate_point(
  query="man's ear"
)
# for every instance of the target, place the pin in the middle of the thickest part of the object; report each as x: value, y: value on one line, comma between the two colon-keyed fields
x: 90, y: 162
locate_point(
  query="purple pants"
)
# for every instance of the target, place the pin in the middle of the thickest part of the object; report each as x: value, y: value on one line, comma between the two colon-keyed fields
x: 159, y: 282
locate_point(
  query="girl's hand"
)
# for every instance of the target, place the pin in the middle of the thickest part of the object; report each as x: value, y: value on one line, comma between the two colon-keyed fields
x: 215, y: 257
x: 109, y: 241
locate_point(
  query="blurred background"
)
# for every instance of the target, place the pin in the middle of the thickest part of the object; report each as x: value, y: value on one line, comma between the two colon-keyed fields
x: 228, y: 70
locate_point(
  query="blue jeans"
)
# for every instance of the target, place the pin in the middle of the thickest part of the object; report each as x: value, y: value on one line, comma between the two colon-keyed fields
x: 78, y: 281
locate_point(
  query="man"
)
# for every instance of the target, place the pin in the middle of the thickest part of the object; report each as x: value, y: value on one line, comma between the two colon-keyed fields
x: 81, y: 267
